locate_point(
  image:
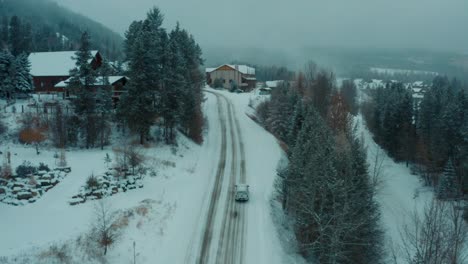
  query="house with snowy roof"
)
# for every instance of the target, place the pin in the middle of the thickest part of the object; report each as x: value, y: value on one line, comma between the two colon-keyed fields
x: 240, y: 76
x: 50, y: 68
x: 116, y: 83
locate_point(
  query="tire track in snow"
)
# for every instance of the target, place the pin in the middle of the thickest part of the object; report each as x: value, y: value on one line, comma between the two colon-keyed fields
x: 208, y: 229
x: 231, y: 247
x: 225, y: 243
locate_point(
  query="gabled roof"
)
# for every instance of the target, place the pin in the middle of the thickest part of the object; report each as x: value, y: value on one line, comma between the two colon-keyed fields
x: 274, y: 84
x: 244, y: 69
x: 99, y: 81
x: 53, y: 63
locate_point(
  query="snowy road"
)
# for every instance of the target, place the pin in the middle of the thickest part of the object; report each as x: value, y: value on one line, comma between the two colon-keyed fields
x: 223, y: 239
x: 194, y: 217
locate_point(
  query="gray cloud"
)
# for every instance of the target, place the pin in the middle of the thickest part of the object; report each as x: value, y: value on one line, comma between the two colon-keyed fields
x: 274, y: 24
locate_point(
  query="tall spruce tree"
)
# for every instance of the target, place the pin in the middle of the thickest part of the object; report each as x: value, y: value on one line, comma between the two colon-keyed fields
x: 83, y: 77
x: 23, y: 76
x: 15, y: 36
x: 145, y: 45
x: 4, y: 33
x: 104, y: 102
x: 7, y: 74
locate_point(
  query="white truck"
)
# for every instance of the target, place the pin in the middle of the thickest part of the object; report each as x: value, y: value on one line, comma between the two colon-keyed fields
x: 241, y: 192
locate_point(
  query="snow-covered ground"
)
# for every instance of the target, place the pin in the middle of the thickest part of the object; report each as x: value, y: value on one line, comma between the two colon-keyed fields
x: 399, y: 193
x: 176, y: 199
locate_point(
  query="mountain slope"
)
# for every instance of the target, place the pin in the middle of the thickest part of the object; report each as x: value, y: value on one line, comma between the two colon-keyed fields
x: 57, y: 28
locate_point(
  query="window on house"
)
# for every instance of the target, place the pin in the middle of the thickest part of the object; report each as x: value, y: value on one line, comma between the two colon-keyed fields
x: 224, y: 80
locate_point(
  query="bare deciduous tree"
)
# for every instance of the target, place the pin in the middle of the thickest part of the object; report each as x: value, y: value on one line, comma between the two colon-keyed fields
x: 435, y: 236
x: 105, y: 232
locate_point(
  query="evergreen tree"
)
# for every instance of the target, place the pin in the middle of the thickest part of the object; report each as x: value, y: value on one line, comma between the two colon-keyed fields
x: 104, y: 103
x: 83, y: 77
x: 7, y: 74
x: 4, y: 33
x: 23, y: 77
x: 321, y: 90
x: 349, y: 93
x: 15, y: 36
x: 190, y: 118
x: 144, y: 48
x: 310, y: 179
x: 174, y: 85
x: 296, y: 123
x: 26, y: 38
x: 282, y: 107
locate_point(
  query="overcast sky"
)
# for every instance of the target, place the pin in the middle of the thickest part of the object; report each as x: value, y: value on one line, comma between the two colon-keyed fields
x: 426, y: 24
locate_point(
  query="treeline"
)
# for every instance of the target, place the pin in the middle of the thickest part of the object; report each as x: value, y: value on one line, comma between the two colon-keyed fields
x: 165, y: 80
x: 265, y: 73
x: 42, y: 25
x: 405, y: 77
x: 326, y: 188
x: 432, y: 135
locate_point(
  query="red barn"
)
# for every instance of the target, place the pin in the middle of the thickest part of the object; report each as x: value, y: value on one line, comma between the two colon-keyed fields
x: 50, y: 68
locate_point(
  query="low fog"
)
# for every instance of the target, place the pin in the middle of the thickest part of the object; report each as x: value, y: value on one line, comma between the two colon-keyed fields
x: 428, y: 24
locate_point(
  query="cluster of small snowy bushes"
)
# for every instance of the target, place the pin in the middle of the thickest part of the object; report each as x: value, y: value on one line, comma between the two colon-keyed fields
x: 127, y: 174
x: 108, y: 184
x: 29, y: 182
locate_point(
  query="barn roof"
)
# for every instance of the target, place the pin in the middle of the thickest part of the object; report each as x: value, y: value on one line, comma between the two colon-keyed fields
x: 244, y: 69
x: 53, y: 63
x: 99, y: 81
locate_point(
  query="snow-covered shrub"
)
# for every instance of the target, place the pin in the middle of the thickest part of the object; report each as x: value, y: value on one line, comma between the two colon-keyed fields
x: 43, y: 167
x: 263, y: 110
x: 6, y: 171
x: 25, y: 169
x: 56, y: 254
x: 92, y: 182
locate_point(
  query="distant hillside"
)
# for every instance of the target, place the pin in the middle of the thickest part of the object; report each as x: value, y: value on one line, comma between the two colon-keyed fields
x: 55, y: 28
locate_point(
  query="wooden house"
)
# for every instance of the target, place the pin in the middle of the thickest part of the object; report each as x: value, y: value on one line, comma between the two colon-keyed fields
x: 240, y: 76
x: 50, y: 68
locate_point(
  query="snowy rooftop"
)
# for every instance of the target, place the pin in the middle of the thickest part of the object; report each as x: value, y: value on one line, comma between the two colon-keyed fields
x: 273, y: 84
x: 244, y: 69
x: 99, y: 81
x: 53, y: 63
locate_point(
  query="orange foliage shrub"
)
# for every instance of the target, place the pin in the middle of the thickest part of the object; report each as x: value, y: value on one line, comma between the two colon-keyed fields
x: 32, y: 135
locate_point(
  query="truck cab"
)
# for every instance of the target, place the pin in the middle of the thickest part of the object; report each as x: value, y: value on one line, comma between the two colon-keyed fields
x: 241, y: 192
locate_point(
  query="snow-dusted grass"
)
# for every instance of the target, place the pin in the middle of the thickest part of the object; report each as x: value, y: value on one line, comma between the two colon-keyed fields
x: 170, y: 230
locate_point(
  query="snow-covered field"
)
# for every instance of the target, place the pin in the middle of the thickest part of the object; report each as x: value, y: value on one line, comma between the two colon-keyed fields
x: 175, y: 200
